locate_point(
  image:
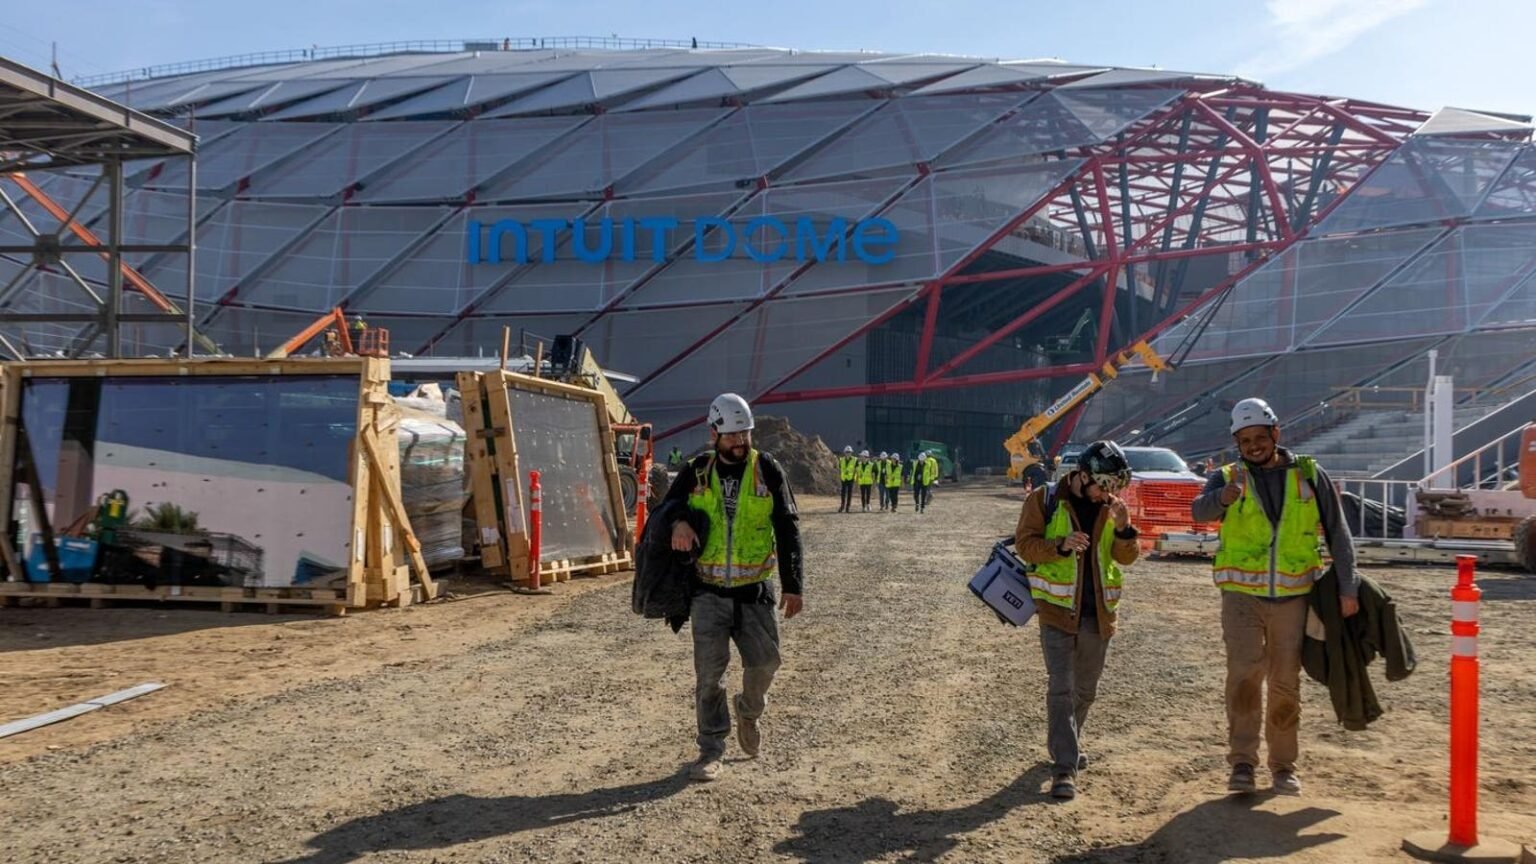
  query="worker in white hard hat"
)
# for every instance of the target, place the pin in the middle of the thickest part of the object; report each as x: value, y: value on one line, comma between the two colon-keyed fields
x: 892, y: 484
x: 847, y: 473
x: 866, y: 477
x: 882, y: 465
x: 1271, y: 504
x: 753, y: 533
x: 919, y: 480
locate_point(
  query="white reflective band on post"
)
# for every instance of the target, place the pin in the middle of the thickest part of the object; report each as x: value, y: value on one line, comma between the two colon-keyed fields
x: 1463, y: 610
x: 1463, y: 646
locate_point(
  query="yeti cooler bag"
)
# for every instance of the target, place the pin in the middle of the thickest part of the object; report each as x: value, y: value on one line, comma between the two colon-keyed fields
x: 1003, y: 584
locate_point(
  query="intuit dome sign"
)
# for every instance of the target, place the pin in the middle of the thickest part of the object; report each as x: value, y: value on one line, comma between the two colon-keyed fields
x: 765, y: 238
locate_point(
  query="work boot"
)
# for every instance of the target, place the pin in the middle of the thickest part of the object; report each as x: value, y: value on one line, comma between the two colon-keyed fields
x: 1285, y: 782
x: 748, y: 735
x: 1063, y: 788
x: 1241, y: 779
x: 707, y: 769
x: 1082, y: 761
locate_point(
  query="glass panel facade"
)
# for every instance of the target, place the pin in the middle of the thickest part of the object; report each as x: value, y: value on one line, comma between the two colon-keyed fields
x: 360, y: 96
x: 745, y: 146
x: 339, y: 255
x: 601, y: 153
x: 249, y: 149
x: 1058, y: 121
x: 449, y: 167
x: 1515, y: 192
x: 1426, y: 180
x: 330, y: 166
x: 466, y: 93
x: 232, y: 243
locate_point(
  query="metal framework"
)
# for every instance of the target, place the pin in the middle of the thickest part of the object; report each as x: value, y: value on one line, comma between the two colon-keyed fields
x: 47, y: 125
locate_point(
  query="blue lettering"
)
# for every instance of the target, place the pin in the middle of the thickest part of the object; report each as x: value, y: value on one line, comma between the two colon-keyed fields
x: 763, y: 223
x: 628, y: 238
x: 472, y: 237
x: 605, y: 241
x: 805, y: 235
x: 660, y: 226
x: 863, y: 241
x: 700, y: 229
x: 549, y: 232
x: 519, y: 236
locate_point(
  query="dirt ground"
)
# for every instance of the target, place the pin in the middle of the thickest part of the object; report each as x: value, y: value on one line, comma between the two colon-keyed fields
x: 906, y: 725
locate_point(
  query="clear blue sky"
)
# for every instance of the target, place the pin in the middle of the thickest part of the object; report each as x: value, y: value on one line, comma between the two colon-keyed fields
x: 1418, y: 53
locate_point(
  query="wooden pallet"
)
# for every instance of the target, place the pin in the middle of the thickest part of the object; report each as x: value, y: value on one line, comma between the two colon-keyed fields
x: 332, y: 601
x: 563, y: 570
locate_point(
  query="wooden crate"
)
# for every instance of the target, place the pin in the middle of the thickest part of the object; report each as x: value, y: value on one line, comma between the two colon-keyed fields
x: 384, y: 550
x: 1474, y: 528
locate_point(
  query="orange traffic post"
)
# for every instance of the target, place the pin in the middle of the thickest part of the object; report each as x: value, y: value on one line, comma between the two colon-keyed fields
x: 1460, y: 841
x: 535, y: 527
x: 641, y: 496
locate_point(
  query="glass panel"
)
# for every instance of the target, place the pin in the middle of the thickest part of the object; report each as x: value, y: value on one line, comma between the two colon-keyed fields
x: 341, y: 160
x: 340, y: 254
x: 940, y: 220
x: 225, y: 481
x: 358, y: 97
x: 601, y: 153
x: 234, y: 242
x: 1058, y: 121
x: 638, y: 343
x: 568, y: 283
x: 767, y: 345
x: 1426, y: 180
x: 868, y: 76
x: 588, y: 89
x: 1515, y: 192
x: 1518, y: 309
x: 1450, y: 288
x: 481, y: 337
x: 245, y: 332
x: 438, y: 277
x: 467, y: 93
x: 725, y: 81
x: 449, y: 167
x: 1278, y: 306
x: 747, y: 145
x: 723, y: 270
x: 558, y: 437
x: 273, y: 96
x: 252, y: 147
x: 903, y: 133
x: 987, y: 75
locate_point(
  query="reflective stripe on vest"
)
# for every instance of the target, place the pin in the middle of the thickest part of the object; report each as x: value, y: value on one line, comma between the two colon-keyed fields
x: 738, y: 551
x: 1256, y: 559
x: 1055, y: 582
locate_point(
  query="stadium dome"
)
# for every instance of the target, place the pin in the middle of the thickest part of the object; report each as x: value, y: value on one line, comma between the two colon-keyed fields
x: 877, y: 245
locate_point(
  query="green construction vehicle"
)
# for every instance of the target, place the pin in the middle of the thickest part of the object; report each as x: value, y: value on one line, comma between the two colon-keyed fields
x: 948, y: 469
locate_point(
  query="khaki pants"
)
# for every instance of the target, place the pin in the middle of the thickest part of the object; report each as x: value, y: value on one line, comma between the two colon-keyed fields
x: 1263, y: 640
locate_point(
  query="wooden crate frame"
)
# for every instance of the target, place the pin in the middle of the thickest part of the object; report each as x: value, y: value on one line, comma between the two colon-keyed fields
x: 384, y: 549
x: 498, y: 487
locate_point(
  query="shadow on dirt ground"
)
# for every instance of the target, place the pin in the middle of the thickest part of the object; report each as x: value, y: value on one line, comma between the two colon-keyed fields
x: 1217, y: 831
x: 456, y: 819
x: 877, y: 828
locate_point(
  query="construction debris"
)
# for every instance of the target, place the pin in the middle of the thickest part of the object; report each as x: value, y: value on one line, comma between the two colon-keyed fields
x: 808, y: 461
x: 73, y: 711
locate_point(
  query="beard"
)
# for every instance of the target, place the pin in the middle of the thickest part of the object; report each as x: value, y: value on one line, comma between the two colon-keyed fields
x: 736, y: 453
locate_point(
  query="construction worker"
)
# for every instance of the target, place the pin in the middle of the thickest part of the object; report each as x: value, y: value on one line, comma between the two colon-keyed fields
x: 675, y: 459
x: 882, y: 465
x: 930, y: 478
x: 753, y: 532
x: 1078, y: 535
x: 893, y: 480
x: 866, y: 474
x: 919, y: 479
x: 1270, y: 504
x: 847, y: 473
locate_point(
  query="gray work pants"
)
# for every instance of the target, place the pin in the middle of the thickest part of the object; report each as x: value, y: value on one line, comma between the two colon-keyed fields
x: 1073, y: 664
x: 755, y: 631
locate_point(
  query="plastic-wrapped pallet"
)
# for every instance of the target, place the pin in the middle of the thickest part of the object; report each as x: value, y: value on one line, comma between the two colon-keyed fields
x: 432, y: 483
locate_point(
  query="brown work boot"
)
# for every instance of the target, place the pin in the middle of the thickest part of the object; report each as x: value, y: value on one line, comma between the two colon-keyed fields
x: 1064, y: 787
x: 1285, y: 782
x: 1241, y: 779
x: 748, y: 735
x: 705, y: 770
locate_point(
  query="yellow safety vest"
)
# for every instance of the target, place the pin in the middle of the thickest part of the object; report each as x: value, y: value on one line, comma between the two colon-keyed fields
x: 866, y: 473
x: 893, y: 475
x: 738, y: 551
x: 1055, y: 582
x: 1254, y: 558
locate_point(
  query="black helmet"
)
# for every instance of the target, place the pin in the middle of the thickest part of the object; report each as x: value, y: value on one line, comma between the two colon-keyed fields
x: 1105, y: 462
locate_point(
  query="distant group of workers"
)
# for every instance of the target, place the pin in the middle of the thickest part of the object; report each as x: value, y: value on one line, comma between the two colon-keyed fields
x: 886, y: 473
x: 739, y: 522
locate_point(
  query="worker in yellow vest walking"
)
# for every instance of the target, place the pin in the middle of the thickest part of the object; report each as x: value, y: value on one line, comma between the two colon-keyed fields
x: 1271, y: 505
x: 882, y: 465
x: 1078, y: 535
x: 847, y: 473
x: 866, y: 475
x: 753, y: 532
x: 893, y: 481
x: 930, y: 477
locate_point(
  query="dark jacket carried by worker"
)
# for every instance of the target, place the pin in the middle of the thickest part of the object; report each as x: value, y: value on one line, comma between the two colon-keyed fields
x: 1339, y: 659
x: 664, y: 576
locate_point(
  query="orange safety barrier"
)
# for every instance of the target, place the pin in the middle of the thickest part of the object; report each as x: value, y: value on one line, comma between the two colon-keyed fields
x: 1160, y: 507
x: 535, y: 527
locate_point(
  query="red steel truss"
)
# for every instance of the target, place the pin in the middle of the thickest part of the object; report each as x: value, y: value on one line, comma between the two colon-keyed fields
x: 1238, y: 170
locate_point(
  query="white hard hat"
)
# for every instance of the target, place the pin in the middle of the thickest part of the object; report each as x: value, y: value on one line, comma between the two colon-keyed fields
x: 884, y: 455
x: 896, y: 456
x: 1253, y: 412
x: 847, y: 448
x: 864, y: 453
x: 730, y: 413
